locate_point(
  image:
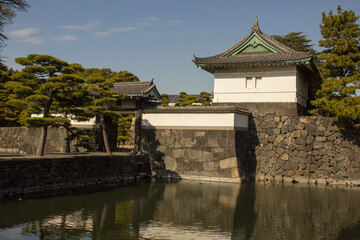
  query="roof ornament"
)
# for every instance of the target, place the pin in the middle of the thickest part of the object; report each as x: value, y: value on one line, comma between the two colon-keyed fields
x: 256, y: 25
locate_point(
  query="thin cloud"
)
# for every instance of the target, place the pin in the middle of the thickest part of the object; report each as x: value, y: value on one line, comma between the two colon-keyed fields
x: 25, y: 35
x: 67, y: 38
x: 151, y: 19
x: 114, y: 30
x: 87, y: 27
x: 24, y: 32
x: 174, y: 22
x: 123, y: 29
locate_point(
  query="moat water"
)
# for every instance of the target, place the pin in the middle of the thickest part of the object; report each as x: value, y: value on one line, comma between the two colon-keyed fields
x: 188, y: 210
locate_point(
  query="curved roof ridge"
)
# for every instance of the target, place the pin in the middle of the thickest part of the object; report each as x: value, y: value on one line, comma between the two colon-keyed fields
x: 266, y: 38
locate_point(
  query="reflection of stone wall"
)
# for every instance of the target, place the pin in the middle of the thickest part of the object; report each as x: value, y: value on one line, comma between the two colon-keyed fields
x: 189, y: 203
x: 48, y: 174
x: 199, y: 154
x: 300, y: 212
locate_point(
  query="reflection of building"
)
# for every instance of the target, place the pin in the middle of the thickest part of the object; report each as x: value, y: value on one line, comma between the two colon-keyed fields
x: 259, y: 69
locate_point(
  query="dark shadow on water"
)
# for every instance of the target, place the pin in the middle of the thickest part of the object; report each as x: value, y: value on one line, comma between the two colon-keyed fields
x: 244, y: 215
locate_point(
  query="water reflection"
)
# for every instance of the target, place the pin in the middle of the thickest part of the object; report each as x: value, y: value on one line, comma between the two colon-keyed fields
x: 188, y: 210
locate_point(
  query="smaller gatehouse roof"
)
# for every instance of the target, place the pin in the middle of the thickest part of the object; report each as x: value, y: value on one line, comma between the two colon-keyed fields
x: 137, y: 89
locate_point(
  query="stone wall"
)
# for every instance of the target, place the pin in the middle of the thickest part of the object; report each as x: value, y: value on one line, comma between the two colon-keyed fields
x: 24, y: 140
x: 215, y: 155
x: 48, y: 174
x: 305, y: 149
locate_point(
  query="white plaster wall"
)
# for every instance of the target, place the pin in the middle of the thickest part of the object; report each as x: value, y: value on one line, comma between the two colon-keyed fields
x: 74, y: 123
x: 195, y: 120
x: 278, y: 85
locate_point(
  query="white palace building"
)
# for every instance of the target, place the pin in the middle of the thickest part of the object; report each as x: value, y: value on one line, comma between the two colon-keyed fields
x: 259, y: 69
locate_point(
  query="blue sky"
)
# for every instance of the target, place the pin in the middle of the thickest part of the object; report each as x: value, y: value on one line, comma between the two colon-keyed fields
x: 156, y: 38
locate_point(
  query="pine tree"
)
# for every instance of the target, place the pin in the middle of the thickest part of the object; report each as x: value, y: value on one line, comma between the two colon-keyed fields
x: 98, y: 83
x: 296, y: 41
x: 165, y: 100
x: 40, y: 89
x: 205, y: 99
x: 339, y: 67
x: 181, y: 98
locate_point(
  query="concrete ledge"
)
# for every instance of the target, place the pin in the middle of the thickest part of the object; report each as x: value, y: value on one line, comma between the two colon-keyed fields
x: 211, y: 179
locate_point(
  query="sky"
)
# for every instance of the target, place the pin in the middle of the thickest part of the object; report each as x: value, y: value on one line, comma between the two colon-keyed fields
x: 156, y: 39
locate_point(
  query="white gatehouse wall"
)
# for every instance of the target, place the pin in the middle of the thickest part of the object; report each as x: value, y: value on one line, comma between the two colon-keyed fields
x: 261, y: 84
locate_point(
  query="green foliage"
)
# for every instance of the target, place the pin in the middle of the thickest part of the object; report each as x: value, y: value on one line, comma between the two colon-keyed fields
x: 36, y: 122
x: 296, y: 41
x: 98, y: 83
x: 8, y: 9
x: 339, y: 66
x: 165, y: 100
x: 124, y: 125
x: 181, y: 98
x: 205, y: 99
x: 125, y: 76
x: 189, y: 100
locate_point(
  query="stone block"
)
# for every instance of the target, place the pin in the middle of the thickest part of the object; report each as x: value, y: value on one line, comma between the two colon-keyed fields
x: 229, y: 163
x: 280, y: 151
x: 235, y: 173
x: 300, y: 141
x: 305, y: 120
x: 309, y: 140
x: 271, y: 139
x: 212, y: 142
x: 170, y: 141
x: 194, y: 154
x: 277, y: 119
x: 189, y: 142
x: 296, y: 134
x: 318, y: 145
x: 209, y: 166
x: 170, y: 163
x: 320, y: 139
x: 285, y: 157
x: 207, y: 156
x: 199, y: 133
x: 300, y: 126
x: 328, y: 146
x: 178, y: 153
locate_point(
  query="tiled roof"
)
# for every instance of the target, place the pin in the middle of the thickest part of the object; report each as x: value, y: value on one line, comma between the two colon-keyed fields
x: 143, y: 89
x: 271, y: 52
x: 207, y: 109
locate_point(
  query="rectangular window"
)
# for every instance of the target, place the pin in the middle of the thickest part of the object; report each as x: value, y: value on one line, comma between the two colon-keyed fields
x: 248, y: 82
x: 258, y: 82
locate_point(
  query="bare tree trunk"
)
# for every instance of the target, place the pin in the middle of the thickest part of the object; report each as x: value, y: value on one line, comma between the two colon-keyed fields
x: 67, y: 142
x: 41, y: 147
x: 104, y: 133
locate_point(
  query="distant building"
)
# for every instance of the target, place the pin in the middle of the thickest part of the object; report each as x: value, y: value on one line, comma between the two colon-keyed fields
x: 259, y: 69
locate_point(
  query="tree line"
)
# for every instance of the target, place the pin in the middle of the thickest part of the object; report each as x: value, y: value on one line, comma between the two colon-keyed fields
x: 56, y: 92
x: 184, y: 99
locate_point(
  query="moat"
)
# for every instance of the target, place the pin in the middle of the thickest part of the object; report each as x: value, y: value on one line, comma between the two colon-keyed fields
x: 188, y: 210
